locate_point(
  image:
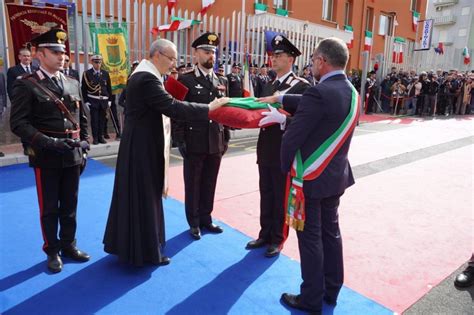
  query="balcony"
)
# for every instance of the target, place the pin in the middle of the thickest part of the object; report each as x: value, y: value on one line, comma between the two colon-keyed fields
x: 444, y: 20
x: 444, y: 3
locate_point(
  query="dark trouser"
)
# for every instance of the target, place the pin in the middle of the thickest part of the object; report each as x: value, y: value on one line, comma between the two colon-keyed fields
x: 113, y: 108
x: 429, y: 104
x: 57, y: 190
x: 272, y: 184
x: 200, y: 178
x: 320, y: 247
x: 97, y: 111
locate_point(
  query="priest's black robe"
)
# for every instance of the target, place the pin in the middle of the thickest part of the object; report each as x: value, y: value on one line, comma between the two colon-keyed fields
x: 135, y: 230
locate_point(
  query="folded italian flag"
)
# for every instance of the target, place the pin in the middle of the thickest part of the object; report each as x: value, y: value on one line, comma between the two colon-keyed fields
x: 242, y: 112
x: 249, y: 103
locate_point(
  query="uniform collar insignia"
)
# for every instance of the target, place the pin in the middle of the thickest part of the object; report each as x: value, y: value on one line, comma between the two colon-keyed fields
x: 40, y: 75
x: 198, y: 86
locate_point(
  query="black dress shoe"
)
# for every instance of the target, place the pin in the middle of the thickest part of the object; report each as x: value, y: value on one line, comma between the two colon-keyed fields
x: 466, y: 278
x: 55, y: 264
x: 195, y: 233
x: 75, y: 254
x: 259, y: 242
x: 102, y: 140
x: 272, y: 250
x: 95, y: 141
x: 106, y: 136
x: 292, y: 301
x: 165, y: 260
x: 213, y: 228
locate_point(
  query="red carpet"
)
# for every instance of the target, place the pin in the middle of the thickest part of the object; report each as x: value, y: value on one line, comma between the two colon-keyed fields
x: 400, y: 238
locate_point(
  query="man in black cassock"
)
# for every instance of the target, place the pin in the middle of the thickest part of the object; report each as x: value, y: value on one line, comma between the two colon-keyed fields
x: 135, y: 230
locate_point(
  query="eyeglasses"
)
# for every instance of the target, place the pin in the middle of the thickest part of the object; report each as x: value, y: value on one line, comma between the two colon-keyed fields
x: 66, y: 60
x: 97, y: 61
x: 172, y: 59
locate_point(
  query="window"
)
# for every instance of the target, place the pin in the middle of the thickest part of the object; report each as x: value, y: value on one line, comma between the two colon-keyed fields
x: 465, y: 11
x: 369, y: 19
x: 348, y: 13
x: 414, y: 5
x: 328, y: 7
x: 282, y: 4
x: 443, y: 36
x: 462, y: 32
x: 446, y: 12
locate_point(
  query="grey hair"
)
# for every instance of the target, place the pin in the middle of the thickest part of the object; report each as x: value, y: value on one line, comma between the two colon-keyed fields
x: 160, y: 45
x: 334, y: 50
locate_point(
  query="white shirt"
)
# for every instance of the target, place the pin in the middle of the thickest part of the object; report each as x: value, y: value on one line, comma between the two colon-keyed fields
x: 50, y: 75
x: 283, y: 77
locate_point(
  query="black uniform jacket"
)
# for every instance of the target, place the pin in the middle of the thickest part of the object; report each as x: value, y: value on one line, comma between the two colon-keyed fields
x: 236, y: 86
x: 269, y: 138
x: 35, y: 112
x: 96, y: 86
x: 202, y: 137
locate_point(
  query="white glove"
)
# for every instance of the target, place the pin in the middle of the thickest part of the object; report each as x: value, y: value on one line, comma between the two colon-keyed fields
x: 87, y: 105
x: 109, y: 103
x: 273, y: 116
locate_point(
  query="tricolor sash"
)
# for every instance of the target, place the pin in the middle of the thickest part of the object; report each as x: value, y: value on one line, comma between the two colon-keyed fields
x: 315, y: 164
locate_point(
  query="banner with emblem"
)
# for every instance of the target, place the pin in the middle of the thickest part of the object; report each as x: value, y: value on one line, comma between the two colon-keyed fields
x: 27, y: 22
x: 110, y: 41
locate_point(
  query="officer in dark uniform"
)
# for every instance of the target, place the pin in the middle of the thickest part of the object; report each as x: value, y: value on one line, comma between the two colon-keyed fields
x: 253, y: 77
x: 58, y: 138
x: 97, y: 94
x: 236, y: 87
x: 202, y: 144
x: 220, y: 74
x: 272, y: 181
x: 262, y: 80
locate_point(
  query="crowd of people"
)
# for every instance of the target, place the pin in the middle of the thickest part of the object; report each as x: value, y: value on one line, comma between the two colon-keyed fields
x: 423, y: 94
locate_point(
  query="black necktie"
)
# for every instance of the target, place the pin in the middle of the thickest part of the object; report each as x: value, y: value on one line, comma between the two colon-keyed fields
x: 275, y: 85
x: 57, y: 82
x: 28, y: 69
x: 208, y: 77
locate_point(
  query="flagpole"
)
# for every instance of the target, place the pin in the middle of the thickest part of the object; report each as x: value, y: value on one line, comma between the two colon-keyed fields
x: 242, y: 30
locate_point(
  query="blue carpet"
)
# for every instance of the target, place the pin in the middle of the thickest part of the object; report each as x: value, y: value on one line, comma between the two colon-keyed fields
x: 215, y: 275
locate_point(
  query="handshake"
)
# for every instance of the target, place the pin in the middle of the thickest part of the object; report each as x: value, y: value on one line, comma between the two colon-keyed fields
x: 65, y: 144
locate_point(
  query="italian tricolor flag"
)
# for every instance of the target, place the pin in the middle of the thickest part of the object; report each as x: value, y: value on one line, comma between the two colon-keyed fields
x: 260, y: 8
x: 397, y: 56
x: 348, y: 29
x: 248, y: 87
x: 206, y: 4
x: 368, y: 41
x: 171, y: 5
x: 416, y: 18
x: 467, y: 57
x: 176, y: 25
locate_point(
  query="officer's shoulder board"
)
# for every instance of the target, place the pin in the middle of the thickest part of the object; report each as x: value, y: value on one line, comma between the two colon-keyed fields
x: 295, y: 80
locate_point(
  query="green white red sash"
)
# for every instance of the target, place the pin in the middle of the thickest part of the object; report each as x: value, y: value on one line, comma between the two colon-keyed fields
x: 315, y: 164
